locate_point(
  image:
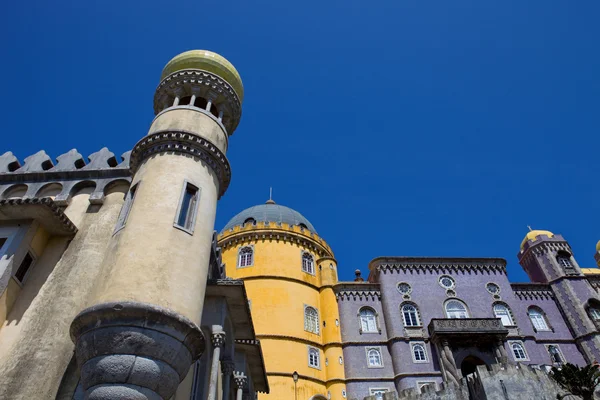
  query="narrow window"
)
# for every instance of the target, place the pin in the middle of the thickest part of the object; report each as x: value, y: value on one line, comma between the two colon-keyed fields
x: 245, y: 257
x: 410, y: 314
x: 313, y: 357
x: 419, y: 352
x: 186, y: 216
x: 555, y: 354
x: 374, y: 358
x: 503, y: 312
x: 538, y: 319
x: 378, y: 393
x: 456, y: 309
x: 368, y: 320
x: 24, y: 268
x: 308, y: 263
x: 311, y: 320
x: 126, y: 208
x: 519, y: 352
x: 564, y: 260
x: 595, y: 314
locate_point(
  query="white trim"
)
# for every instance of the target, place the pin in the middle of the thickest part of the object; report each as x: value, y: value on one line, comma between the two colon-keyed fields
x: 360, y: 324
x: 519, y: 342
x: 451, y: 278
x: 489, y: 291
x: 302, y: 252
x: 34, y: 258
x: 560, y: 353
x: 404, y: 283
x: 417, y: 313
x: 309, y: 348
x: 378, y: 349
x: 251, y: 246
x: 373, y: 391
x: 412, y: 352
x: 193, y: 211
x: 318, y: 330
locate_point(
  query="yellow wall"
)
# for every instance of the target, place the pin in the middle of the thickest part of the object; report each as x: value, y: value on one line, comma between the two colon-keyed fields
x: 279, y: 290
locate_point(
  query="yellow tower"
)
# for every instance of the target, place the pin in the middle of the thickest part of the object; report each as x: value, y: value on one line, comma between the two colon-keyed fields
x: 289, y: 272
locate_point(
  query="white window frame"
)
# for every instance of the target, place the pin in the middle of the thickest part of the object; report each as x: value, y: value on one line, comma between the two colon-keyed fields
x: 508, y: 313
x: 193, y: 209
x: 412, y: 352
x: 511, y: 343
x: 239, y: 253
x: 378, y: 350
x: 317, y: 322
x: 308, y: 352
x: 376, y: 320
x: 539, y: 317
x: 16, y: 267
x: 417, y: 316
x: 420, y: 385
x: 452, y: 286
x: 126, y: 207
x: 467, y: 314
x: 594, y: 313
x: 560, y: 353
x: 312, y: 264
x: 377, y: 392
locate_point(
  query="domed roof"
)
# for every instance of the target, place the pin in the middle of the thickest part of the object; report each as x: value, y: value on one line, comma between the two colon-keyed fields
x: 598, y: 246
x: 270, y: 212
x: 531, y: 235
x: 207, y: 61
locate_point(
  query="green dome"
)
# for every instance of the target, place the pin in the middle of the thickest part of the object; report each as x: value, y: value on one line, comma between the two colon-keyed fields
x: 207, y: 61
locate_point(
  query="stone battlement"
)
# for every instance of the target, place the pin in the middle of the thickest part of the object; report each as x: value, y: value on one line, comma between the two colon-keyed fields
x: 503, y: 381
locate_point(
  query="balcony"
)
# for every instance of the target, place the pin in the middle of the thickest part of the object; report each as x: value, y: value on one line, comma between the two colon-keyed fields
x: 467, y: 329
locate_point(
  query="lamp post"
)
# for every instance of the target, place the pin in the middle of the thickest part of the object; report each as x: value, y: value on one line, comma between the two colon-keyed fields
x: 295, y: 378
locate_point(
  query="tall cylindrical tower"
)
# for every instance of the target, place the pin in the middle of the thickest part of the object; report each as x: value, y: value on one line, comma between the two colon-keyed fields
x: 289, y: 272
x: 141, y: 334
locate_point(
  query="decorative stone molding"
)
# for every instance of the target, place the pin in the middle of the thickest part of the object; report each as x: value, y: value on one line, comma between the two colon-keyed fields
x: 438, y: 265
x: 218, y: 339
x: 531, y: 291
x: 358, y: 295
x: 183, y: 143
x: 203, y: 84
x: 130, y: 349
x: 44, y: 210
x: 240, y: 379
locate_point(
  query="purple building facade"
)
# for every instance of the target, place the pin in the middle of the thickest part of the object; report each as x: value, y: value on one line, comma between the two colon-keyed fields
x: 421, y: 321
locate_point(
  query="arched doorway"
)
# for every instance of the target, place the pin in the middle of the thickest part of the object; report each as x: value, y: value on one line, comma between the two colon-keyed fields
x: 469, y: 365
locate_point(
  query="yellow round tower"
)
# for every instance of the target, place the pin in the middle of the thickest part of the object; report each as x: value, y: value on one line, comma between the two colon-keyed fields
x: 289, y: 272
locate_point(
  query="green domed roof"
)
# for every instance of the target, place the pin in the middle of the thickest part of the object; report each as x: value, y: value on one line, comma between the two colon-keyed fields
x: 207, y: 61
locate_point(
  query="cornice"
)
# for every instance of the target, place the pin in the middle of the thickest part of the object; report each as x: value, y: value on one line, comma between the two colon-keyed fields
x: 546, y: 245
x: 357, y: 291
x: 292, y: 338
x: 281, y: 278
x: 205, y: 84
x: 183, y: 143
x: 531, y: 291
x: 275, y: 232
x: 437, y: 265
x: 308, y: 377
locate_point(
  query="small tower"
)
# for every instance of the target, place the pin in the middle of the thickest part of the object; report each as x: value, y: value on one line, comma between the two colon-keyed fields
x: 548, y: 258
x: 147, y: 309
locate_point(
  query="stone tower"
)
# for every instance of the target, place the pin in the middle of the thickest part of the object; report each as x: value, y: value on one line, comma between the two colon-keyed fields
x: 289, y: 272
x: 548, y: 258
x: 146, y: 310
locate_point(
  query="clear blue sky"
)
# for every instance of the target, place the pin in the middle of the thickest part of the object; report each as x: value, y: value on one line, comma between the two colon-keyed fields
x: 404, y: 127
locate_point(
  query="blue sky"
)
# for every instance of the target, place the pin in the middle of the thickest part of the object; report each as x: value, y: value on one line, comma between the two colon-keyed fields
x: 404, y: 127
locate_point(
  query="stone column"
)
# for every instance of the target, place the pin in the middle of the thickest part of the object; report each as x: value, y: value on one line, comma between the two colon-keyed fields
x: 240, y: 382
x: 218, y: 340
x: 227, y: 367
x: 501, y: 352
x: 447, y: 358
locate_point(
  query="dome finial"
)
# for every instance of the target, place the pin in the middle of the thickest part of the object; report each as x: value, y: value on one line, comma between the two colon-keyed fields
x: 270, y: 201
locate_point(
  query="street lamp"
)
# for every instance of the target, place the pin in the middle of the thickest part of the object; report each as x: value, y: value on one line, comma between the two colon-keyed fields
x: 295, y: 378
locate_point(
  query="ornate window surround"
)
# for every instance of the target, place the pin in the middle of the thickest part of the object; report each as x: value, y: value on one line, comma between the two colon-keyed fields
x: 510, y: 313
x: 317, y: 322
x: 412, y: 352
x: 378, y: 350
x: 417, y: 313
x: 313, y: 350
x: 305, y: 254
x: 251, y: 246
x: 467, y: 311
x: 511, y: 343
x: 549, y: 327
x: 446, y: 276
x: 560, y: 353
x: 360, y: 325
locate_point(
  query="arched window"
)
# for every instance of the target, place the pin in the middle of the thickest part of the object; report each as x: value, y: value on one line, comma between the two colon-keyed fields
x: 564, y: 260
x: 555, y: 354
x: 245, y: 257
x: 249, y: 221
x: 410, y: 315
x: 502, y: 311
x: 419, y: 354
x: 456, y: 309
x: 538, y: 319
x: 308, y: 263
x: 374, y: 357
x: 303, y: 226
x: 311, y: 320
x: 519, y: 351
x: 594, y: 313
x: 368, y: 320
x: 313, y: 357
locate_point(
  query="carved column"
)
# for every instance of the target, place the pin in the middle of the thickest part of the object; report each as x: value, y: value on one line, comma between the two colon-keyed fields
x: 501, y: 352
x: 240, y: 382
x: 218, y: 340
x: 452, y: 374
x: 227, y: 370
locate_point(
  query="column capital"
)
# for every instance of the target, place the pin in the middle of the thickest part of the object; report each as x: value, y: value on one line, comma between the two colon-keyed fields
x: 217, y: 338
x: 240, y: 379
x: 227, y: 366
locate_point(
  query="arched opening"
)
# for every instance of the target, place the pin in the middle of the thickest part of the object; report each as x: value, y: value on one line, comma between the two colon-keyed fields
x: 214, y: 111
x: 200, y: 103
x: 318, y: 397
x: 50, y: 190
x: 184, y: 101
x: 15, y: 192
x: 469, y: 365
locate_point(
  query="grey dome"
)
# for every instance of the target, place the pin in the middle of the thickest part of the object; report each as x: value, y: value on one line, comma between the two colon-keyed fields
x: 270, y: 212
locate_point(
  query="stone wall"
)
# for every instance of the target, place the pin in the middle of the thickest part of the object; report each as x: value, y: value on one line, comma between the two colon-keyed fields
x: 503, y: 382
